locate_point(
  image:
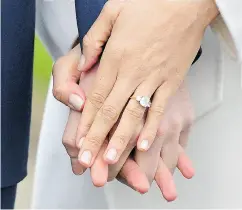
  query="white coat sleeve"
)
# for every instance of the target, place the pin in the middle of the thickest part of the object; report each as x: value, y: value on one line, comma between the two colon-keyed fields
x: 228, y: 26
x: 56, y: 25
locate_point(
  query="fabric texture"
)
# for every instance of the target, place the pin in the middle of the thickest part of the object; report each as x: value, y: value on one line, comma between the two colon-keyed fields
x: 8, y: 195
x: 228, y: 26
x: 18, y: 22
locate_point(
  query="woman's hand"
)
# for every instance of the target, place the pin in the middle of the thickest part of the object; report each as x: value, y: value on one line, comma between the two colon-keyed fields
x: 129, y: 172
x: 165, y: 154
x: 150, y: 46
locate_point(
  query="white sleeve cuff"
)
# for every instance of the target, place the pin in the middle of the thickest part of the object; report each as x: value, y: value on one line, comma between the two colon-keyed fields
x: 228, y: 26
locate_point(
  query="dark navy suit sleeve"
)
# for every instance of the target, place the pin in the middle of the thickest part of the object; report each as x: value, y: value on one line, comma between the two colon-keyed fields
x: 17, y: 44
x: 87, y: 12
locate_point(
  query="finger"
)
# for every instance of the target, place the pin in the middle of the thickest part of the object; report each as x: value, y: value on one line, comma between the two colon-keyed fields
x: 134, y: 176
x: 165, y: 182
x: 65, y: 78
x: 69, y: 141
x: 104, y: 83
x: 154, y: 116
x: 115, y: 168
x: 185, y: 165
x: 148, y: 161
x: 170, y: 150
x: 98, y: 34
x: 106, y: 117
x: 99, y: 169
x: 132, y: 116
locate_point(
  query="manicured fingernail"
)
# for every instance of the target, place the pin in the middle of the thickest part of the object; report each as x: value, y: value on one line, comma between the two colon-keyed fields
x: 81, y: 63
x: 76, y: 101
x: 111, y: 154
x: 144, y: 145
x: 81, y: 142
x: 86, y: 157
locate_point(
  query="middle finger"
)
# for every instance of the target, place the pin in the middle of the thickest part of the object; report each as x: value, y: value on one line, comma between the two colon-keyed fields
x: 105, y: 118
x: 132, y: 116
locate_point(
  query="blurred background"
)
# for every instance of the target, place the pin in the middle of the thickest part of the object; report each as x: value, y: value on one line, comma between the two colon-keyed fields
x: 42, y: 72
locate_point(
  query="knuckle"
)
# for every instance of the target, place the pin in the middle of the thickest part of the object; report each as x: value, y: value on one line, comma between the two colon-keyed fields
x: 97, y: 99
x: 70, y: 145
x: 122, y: 140
x: 135, y: 112
x: 58, y: 64
x: 157, y: 111
x: 109, y: 113
x: 84, y: 127
x: 58, y: 93
x: 175, y: 124
x: 94, y: 141
x: 162, y: 130
x: 89, y: 41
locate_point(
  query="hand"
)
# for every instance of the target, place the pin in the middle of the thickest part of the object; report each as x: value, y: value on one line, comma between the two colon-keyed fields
x: 165, y: 154
x: 150, y: 46
x: 131, y: 173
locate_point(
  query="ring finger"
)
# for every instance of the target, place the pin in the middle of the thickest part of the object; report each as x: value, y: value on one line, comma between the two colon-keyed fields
x: 132, y: 116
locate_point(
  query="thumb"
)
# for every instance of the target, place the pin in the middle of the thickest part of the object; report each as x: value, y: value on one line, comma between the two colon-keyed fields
x: 98, y: 34
x: 65, y: 80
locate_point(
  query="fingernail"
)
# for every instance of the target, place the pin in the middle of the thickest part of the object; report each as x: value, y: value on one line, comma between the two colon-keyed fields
x: 81, y: 142
x: 81, y: 63
x: 144, y: 145
x: 76, y: 101
x: 111, y: 154
x: 86, y: 157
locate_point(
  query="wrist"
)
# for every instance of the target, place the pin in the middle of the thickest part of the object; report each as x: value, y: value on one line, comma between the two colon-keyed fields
x: 207, y: 11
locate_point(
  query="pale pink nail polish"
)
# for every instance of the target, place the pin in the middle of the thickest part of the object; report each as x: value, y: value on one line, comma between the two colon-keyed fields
x: 86, y: 157
x: 144, y: 145
x: 76, y: 101
x: 111, y: 154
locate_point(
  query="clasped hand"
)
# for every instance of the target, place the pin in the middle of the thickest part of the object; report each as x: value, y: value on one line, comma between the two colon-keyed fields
x: 141, y: 168
x: 150, y: 46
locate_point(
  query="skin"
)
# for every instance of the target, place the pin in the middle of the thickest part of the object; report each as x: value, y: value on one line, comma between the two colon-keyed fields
x: 140, y: 170
x: 151, y: 60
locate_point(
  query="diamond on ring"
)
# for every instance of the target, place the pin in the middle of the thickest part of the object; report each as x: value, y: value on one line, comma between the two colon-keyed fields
x: 144, y: 101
